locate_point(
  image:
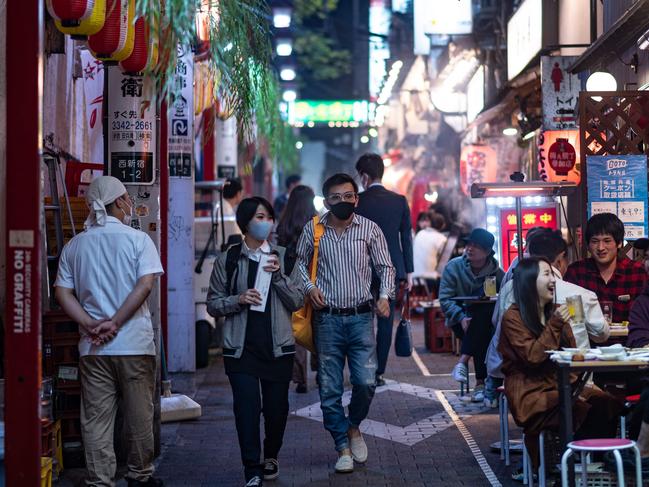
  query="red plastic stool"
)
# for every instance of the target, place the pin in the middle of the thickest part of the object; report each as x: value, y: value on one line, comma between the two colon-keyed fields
x: 73, y: 171
x: 601, y: 444
x: 629, y: 401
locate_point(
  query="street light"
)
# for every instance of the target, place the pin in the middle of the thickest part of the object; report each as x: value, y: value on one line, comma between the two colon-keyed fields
x: 284, y: 47
x: 287, y: 74
x: 282, y: 17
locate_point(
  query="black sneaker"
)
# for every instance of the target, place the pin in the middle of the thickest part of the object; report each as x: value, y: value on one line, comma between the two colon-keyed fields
x: 150, y: 482
x: 255, y: 482
x: 301, y: 389
x: 380, y: 381
x: 271, y: 469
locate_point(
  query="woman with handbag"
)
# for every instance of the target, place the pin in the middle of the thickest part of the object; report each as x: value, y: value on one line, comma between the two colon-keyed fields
x: 298, y: 211
x: 258, y: 340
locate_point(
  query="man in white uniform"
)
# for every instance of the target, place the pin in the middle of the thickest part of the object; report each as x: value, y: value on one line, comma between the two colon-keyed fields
x: 105, y: 276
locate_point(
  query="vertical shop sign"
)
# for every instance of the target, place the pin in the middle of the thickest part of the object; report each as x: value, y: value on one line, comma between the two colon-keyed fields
x: 478, y: 164
x: 132, y: 142
x: 560, y: 91
x: 618, y: 185
x: 181, y: 118
x: 181, y: 315
x: 540, y: 216
x: 93, y: 89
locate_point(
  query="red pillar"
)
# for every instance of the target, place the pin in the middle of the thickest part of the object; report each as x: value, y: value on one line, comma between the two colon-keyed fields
x: 24, y: 63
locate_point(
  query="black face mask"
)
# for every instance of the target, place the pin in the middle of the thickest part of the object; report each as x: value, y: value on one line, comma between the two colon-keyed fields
x: 343, y: 210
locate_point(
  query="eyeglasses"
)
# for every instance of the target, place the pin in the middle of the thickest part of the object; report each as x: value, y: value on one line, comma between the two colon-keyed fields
x: 348, y: 197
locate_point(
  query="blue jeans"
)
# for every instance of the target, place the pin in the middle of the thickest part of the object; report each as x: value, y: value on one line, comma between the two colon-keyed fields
x: 384, y: 330
x: 338, y: 338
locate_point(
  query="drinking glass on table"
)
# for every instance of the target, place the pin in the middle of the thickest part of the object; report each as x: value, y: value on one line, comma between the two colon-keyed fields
x: 607, y: 309
x: 575, y: 308
x: 490, y: 286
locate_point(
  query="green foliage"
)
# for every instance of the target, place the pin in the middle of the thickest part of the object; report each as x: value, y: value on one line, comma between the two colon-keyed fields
x: 239, y: 60
x: 313, y: 8
x: 319, y: 55
x: 316, y: 51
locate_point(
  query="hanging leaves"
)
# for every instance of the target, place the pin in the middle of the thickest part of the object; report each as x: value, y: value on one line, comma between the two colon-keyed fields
x: 239, y: 59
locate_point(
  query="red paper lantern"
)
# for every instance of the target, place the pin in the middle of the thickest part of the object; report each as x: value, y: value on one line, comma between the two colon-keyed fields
x: 139, y: 58
x: 70, y: 12
x: 114, y: 42
x: 478, y: 164
x: 562, y: 157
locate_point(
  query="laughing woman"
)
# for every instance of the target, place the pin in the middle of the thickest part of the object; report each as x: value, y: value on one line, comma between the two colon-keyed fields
x: 258, y: 345
x: 529, y: 329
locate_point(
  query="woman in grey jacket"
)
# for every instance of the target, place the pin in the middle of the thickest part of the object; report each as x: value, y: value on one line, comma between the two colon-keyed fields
x: 258, y: 339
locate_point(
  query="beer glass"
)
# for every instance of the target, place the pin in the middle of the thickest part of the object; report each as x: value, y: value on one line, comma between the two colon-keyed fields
x: 607, y: 309
x: 575, y: 308
x: 490, y: 286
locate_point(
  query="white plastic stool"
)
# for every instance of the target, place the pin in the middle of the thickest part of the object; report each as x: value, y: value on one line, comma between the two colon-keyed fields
x: 603, y: 444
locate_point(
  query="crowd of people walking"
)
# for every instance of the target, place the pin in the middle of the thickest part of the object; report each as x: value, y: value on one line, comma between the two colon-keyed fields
x: 346, y: 266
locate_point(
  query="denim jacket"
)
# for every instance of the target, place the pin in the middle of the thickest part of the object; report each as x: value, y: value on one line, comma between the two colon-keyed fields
x: 285, y: 293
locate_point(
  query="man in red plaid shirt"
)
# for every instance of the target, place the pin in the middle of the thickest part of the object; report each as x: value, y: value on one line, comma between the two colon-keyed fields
x: 616, y: 279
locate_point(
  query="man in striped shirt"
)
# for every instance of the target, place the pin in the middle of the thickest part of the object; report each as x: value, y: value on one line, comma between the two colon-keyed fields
x: 343, y: 321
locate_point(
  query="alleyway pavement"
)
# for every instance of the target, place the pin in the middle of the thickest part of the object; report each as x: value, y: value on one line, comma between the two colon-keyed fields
x: 412, y: 439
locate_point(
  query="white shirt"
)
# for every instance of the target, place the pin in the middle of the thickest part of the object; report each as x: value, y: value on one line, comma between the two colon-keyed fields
x: 595, y: 327
x: 102, y: 265
x: 426, y: 247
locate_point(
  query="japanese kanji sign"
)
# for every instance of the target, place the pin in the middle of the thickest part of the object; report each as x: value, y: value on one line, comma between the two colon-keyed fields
x: 478, y: 164
x: 132, y: 143
x: 560, y: 91
x: 93, y: 89
x: 618, y: 185
x: 180, y: 142
x: 540, y: 216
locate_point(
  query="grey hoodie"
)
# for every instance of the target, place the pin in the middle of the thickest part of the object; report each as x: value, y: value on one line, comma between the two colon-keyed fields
x: 286, y: 296
x: 459, y: 280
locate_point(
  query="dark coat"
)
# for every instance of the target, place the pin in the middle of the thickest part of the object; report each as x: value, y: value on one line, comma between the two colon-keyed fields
x: 639, y: 321
x: 391, y: 213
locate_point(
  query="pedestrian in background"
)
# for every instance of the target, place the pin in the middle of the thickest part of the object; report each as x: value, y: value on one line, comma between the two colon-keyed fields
x: 391, y: 213
x: 280, y: 202
x: 423, y: 222
x: 258, y: 346
x: 350, y: 248
x: 298, y: 211
x: 426, y: 249
x: 105, y: 276
x: 232, y: 196
x: 465, y: 276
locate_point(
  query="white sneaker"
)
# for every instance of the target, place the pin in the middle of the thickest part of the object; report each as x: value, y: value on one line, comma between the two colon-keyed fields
x: 359, y: 449
x: 460, y: 373
x: 344, y: 464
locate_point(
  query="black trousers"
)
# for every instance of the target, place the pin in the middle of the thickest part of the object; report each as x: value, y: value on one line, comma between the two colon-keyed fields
x: 253, y: 396
x: 475, y: 341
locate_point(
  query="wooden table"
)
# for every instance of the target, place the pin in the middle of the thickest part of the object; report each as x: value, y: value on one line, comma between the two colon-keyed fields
x: 565, y: 394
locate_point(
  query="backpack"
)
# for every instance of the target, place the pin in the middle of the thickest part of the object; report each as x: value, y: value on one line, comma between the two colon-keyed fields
x: 231, y: 260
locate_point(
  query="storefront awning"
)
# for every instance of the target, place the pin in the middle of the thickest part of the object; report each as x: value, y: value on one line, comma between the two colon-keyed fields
x: 614, y: 42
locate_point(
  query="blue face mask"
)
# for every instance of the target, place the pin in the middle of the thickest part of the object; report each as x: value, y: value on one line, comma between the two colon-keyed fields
x: 259, y: 230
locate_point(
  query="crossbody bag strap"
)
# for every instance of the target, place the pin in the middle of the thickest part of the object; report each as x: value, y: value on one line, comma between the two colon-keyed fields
x: 318, y: 232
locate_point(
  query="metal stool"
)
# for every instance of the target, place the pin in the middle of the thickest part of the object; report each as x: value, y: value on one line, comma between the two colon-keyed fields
x: 503, y: 413
x: 603, y: 444
x: 630, y: 401
x: 528, y: 472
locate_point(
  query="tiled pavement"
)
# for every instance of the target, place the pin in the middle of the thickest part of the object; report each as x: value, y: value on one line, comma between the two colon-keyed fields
x: 411, y: 438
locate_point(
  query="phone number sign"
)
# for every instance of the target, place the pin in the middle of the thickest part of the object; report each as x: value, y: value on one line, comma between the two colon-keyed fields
x: 131, y: 127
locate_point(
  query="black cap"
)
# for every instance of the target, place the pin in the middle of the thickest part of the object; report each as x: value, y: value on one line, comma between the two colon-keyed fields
x: 482, y: 238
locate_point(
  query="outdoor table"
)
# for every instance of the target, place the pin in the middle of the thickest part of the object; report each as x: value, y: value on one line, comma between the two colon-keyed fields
x: 565, y: 394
